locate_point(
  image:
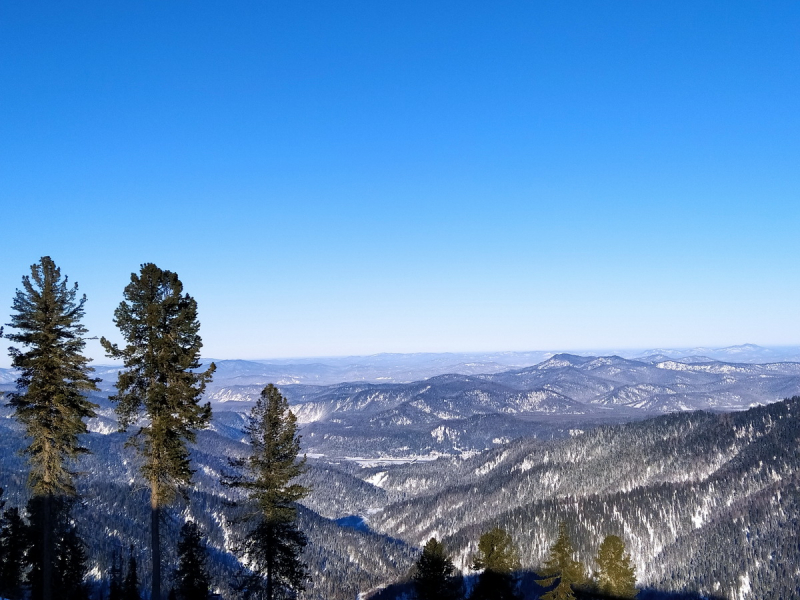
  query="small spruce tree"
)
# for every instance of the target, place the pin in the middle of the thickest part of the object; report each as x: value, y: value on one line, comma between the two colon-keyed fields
x: 274, y: 544
x: 192, y: 581
x: 15, y: 549
x: 615, y: 576
x: 130, y: 587
x: 561, y: 569
x: 115, y: 577
x: 498, y: 558
x: 69, y: 564
x: 435, y: 575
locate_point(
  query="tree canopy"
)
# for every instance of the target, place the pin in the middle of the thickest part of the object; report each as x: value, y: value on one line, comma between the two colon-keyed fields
x: 435, y: 575
x: 615, y: 576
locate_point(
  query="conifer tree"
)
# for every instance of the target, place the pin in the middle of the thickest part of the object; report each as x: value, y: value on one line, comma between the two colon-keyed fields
x: 69, y: 553
x: 274, y: 544
x: 499, y: 559
x: 435, y: 575
x: 50, y: 400
x: 115, y: 576
x: 161, y: 384
x: 192, y: 581
x: 130, y: 587
x: 14, y: 547
x: 615, y: 576
x: 561, y: 569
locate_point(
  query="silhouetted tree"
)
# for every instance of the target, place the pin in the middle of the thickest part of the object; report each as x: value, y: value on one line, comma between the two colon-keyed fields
x: 69, y: 564
x: 435, y: 575
x: 192, y: 581
x: 499, y: 559
x: 50, y: 401
x: 13, y: 553
x: 274, y: 544
x: 161, y: 384
x: 130, y: 587
x: 115, y: 576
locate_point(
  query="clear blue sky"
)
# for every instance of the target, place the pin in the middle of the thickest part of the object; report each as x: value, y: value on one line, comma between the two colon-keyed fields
x: 335, y: 178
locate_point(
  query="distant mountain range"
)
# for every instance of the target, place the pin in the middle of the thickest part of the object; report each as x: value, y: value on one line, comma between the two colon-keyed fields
x: 462, y: 413
x: 571, y: 437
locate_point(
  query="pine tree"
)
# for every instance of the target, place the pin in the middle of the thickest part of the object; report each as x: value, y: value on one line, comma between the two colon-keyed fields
x: 191, y: 578
x: 615, y: 576
x: 130, y: 587
x: 435, y: 575
x: 71, y: 563
x: 498, y: 558
x: 14, y: 548
x: 69, y: 553
x: 561, y: 569
x: 274, y: 544
x: 115, y: 576
x: 50, y: 401
x: 160, y: 383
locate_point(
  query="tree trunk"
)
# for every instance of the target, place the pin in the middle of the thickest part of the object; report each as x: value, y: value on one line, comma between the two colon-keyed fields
x: 155, y: 545
x: 47, y: 548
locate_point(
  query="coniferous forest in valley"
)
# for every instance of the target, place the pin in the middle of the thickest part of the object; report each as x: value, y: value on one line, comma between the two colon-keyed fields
x: 136, y: 485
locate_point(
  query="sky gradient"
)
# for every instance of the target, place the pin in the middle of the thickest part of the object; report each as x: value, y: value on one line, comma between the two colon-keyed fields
x: 335, y: 178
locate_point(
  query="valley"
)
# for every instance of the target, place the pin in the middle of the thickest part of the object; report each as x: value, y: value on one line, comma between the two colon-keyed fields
x: 693, y: 463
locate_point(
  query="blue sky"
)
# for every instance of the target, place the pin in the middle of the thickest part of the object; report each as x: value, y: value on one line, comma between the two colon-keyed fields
x: 333, y: 178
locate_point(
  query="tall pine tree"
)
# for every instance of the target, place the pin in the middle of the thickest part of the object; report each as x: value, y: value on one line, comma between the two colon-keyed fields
x: 274, y: 544
x: 161, y: 384
x: 615, y: 576
x: 192, y: 581
x: 499, y: 559
x: 435, y: 576
x: 50, y: 400
x: 561, y: 569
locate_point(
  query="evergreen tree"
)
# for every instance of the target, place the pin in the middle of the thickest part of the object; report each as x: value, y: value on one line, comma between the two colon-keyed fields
x: 130, y: 587
x: 499, y: 559
x: 115, y: 576
x: 192, y: 579
x: 160, y: 383
x: 434, y: 574
x: 69, y: 553
x: 71, y: 562
x: 561, y: 569
x: 274, y: 544
x: 14, y: 548
x: 615, y: 576
x: 50, y: 401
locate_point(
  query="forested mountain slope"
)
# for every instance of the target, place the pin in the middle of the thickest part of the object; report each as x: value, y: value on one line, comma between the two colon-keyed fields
x: 705, y: 502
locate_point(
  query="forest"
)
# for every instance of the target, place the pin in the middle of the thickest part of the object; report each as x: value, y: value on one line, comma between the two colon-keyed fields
x: 174, y: 505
